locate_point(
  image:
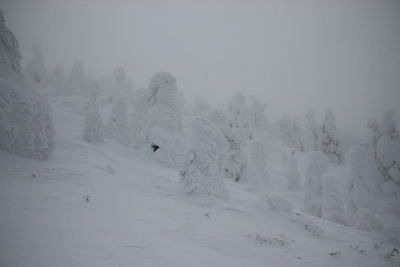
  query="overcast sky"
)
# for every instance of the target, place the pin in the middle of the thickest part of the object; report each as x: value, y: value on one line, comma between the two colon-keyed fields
x: 293, y: 55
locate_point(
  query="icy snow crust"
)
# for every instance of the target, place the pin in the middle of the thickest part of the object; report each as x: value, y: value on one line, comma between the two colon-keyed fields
x: 138, y: 213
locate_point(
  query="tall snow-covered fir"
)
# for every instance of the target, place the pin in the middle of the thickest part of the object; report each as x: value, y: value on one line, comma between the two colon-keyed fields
x: 162, y: 129
x: 202, y: 169
x: 330, y: 144
x: 26, y: 123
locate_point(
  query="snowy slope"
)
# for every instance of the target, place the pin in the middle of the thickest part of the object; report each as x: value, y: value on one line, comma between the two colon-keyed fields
x: 139, y: 215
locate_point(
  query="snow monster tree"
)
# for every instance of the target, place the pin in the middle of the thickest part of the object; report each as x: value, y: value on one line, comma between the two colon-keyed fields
x: 202, y: 169
x: 162, y: 129
x: 26, y: 124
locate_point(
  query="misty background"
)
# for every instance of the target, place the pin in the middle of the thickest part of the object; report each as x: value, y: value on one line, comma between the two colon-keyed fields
x: 293, y: 55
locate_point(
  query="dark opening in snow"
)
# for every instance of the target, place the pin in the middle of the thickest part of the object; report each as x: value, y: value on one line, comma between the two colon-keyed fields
x: 155, y: 147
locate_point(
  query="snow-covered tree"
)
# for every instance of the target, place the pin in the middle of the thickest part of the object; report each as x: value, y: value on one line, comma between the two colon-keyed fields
x: 237, y: 158
x: 286, y: 130
x: 332, y: 207
x: 257, y: 110
x: 93, y: 130
x: 310, y: 135
x: 120, y: 86
x: 330, y: 143
x: 375, y: 127
x: 256, y: 174
x: 246, y: 161
x: 77, y: 82
x: 239, y: 112
x: 293, y: 174
x: 388, y: 125
x: 219, y: 118
x: 118, y: 122
x: 26, y: 124
x: 384, y: 148
x: 162, y: 130
x: 35, y: 71
x: 201, y: 172
x: 291, y: 132
x: 117, y: 125
x: 318, y: 164
x: 361, y: 185
x: 297, y: 142
x: 388, y: 146
x: 138, y: 115
x: 93, y: 127
x: 10, y: 56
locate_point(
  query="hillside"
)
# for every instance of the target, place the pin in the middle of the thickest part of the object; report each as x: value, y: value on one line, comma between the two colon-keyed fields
x: 91, y: 205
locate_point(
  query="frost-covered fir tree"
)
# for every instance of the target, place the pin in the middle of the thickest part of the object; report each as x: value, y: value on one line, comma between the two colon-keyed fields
x: 310, y: 136
x: 362, y: 192
x: 292, y: 174
x: 297, y: 142
x: 291, y: 133
x: 257, y: 173
x: 93, y: 127
x: 257, y: 110
x: 388, y: 159
x: 117, y: 125
x: 361, y: 185
x: 286, y: 131
x: 162, y: 129
x: 138, y: 115
x: 318, y: 164
x: 219, y: 118
x: 375, y: 127
x: 239, y: 112
x: 332, y: 207
x: 120, y: 87
x: 78, y: 85
x: 330, y: 143
x: 93, y: 130
x: 241, y: 115
x: 201, y: 172
x: 118, y: 122
x: 388, y: 146
x: 246, y: 162
x: 35, y: 71
x: 237, y: 158
x: 26, y: 124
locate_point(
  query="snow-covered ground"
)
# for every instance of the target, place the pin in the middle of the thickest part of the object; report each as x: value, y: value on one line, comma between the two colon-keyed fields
x: 90, y: 205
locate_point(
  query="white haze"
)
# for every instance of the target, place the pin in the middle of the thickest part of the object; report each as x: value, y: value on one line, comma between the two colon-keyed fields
x: 293, y: 55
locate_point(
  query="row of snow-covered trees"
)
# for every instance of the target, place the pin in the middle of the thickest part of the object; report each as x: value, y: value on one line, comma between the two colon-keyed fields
x: 373, y: 181
x: 209, y: 146
x: 323, y: 138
